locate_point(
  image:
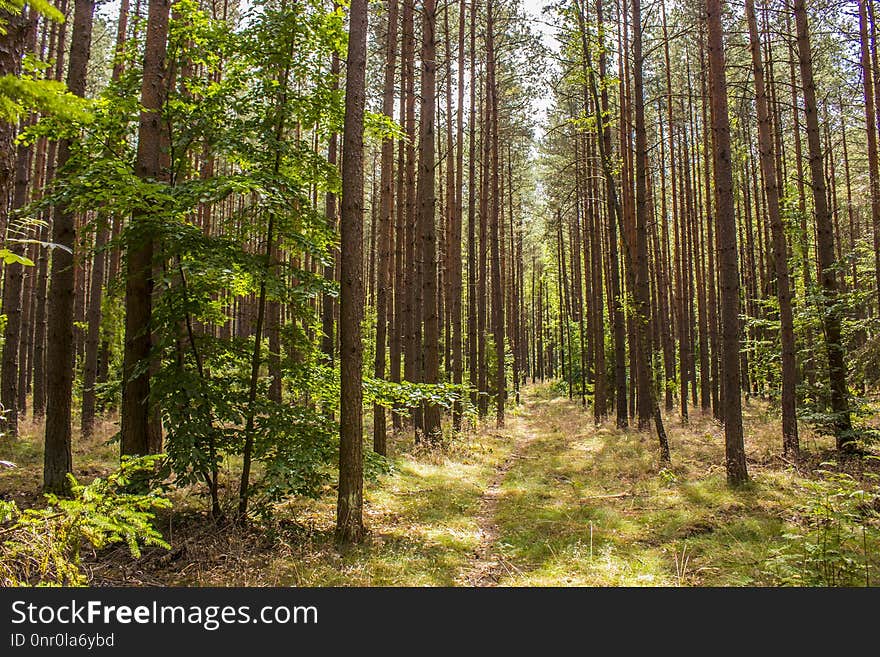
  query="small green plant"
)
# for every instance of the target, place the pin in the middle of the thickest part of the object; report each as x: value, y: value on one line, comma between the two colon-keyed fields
x: 836, y: 536
x: 668, y: 477
x: 42, y: 547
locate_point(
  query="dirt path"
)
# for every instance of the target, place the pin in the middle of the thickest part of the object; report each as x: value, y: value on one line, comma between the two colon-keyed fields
x: 488, y: 566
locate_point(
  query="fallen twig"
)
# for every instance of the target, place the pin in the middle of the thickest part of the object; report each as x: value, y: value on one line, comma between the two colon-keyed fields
x: 608, y: 497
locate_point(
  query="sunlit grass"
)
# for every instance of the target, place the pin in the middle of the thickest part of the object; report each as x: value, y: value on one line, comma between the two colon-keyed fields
x: 422, y: 519
x: 591, y: 506
x: 578, y: 505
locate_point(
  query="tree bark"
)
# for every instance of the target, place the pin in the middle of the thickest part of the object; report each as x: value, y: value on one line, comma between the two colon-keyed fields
x: 57, y: 461
x: 349, y: 507
x: 136, y: 412
x: 386, y: 216
x: 647, y: 400
x: 330, y: 209
x: 495, y: 221
x: 825, y: 242
x: 12, y: 48
x: 737, y: 472
x: 428, y: 242
x: 790, y: 443
x: 455, y: 233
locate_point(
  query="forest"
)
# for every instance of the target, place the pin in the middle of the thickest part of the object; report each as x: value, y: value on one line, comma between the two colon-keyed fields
x: 463, y: 293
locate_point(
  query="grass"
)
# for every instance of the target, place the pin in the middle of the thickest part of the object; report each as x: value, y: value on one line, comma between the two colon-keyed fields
x: 579, y: 505
x: 589, y: 506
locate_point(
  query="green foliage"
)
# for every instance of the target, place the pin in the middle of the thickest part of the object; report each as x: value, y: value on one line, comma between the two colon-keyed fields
x: 246, y: 116
x: 379, y: 127
x: 22, y: 94
x: 27, y: 92
x: 43, y: 546
x: 836, y: 535
x: 11, y: 258
x: 404, y: 396
x: 42, y: 7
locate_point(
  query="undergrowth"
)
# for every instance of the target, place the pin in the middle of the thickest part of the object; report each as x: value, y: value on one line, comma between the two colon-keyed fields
x: 43, y: 546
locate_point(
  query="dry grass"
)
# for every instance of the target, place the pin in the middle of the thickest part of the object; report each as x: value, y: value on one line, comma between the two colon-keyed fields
x: 580, y: 505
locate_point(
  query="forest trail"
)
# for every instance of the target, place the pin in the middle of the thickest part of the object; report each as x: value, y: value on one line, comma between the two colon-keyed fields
x: 549, y: 500
x: 489, y: 565
x: 576, y: 504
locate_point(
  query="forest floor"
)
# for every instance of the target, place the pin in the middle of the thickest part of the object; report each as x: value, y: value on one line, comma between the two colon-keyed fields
x: 550, y: 499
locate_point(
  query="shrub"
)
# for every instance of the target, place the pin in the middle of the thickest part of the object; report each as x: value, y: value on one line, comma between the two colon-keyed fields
x: 41, y: 547
x: 836, y: 537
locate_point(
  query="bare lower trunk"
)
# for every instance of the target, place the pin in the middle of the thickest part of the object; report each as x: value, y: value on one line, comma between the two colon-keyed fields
x: 57, y: 461
x: 780, y: 249
x: 726, y: 238
x: 90, y: 365
x: 137, y: 416
x: 428, y: 237
x: 825, y: 242
x: 349, y: 508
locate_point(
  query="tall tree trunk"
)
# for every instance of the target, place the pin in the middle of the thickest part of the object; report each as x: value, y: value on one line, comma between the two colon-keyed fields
x: 386, y: 216
x: 495, y: 221
x: 482, y: 252
x: 428, y: 241
x: 12, y: 48
x: 615, y: 219
x: 737, y: 472
x: 871, y: 133
x: 99, y: 261
x: 57, y: 460
x: 330, y: 209
x: 473, y: 362
x: 790, y: 442
x: 455, y: 234
x: 136, y: 413
x: 15, y: 297
x: 647, y: 400
x: 398, y: 333
x: 350, y: 502
x: 825, y: 242
x: 412, y: 270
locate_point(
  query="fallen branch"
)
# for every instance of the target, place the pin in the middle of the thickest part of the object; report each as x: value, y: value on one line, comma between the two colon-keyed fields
x: 608, y: 497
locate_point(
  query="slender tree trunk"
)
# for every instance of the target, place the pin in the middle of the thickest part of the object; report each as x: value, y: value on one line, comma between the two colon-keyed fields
x: 871, y: 133
x: 737, y: 472
x: 349, y: 508
x: 386, y: 215
x: 330, y: 208
x: 57, y: 461
x: 495, y: 221
x: 790, y: 442
x: 473, y: 363
x: 269, y: 257
x: 399, y: 332
x: 90, y: 365
x: 825, y: 242
x: 412, y: 270
x: 41, y: 321
x: 482, y: 254
x: 99, y: 262
x: 455, y: 235
x: 16, y: 302
x: 428, y: 241
x: 12, y: 49
x: 136, y: 413
x: 647, y: 400
x: 613, y: 209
